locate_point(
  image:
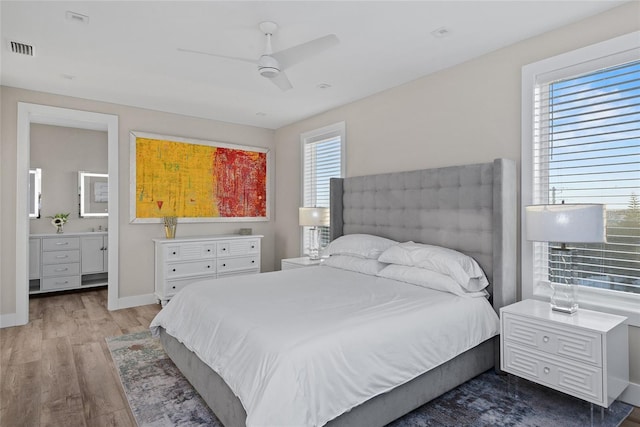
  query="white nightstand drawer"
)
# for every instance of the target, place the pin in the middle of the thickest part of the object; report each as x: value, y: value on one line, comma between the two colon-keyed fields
x: 575, y: 378
x: 576, y: 344
x: 190, y: 268
x: 60, y: 257
x: 54, y: 270
x: 240, y: 263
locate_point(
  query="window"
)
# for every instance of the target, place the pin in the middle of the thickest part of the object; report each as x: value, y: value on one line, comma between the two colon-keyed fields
x: 581, y: 144
x: 322, y: 159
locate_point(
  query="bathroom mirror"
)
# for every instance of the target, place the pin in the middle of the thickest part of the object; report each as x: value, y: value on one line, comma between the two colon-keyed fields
x: 35, y: 192
x: 94, y: 194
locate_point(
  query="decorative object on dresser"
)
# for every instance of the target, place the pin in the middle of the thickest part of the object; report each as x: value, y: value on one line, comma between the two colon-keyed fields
x: 585, y: 355
x: 301, y: 262
x: 77, y: 260
x: 59, y: 220
x: 314, y: 218
x: 170, y: 224
x: 180, y: 262
x: 565, y: 223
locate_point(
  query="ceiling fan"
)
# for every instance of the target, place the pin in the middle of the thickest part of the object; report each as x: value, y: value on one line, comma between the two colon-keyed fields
x: 271, y: 65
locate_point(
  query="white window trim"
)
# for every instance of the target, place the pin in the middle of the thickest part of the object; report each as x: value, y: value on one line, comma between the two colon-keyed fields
x: 336, y: 129
x: 574, y: 62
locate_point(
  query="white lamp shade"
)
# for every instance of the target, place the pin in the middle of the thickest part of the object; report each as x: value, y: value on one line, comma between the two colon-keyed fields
x: 566, y: 223
x: 313, y: 217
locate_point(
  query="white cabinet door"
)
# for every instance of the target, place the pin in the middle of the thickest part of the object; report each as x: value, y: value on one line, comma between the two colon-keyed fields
x: 94, y: 250
x: 34, y: 259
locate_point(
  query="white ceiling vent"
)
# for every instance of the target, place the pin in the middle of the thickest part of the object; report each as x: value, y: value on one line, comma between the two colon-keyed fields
x: 21, y: 48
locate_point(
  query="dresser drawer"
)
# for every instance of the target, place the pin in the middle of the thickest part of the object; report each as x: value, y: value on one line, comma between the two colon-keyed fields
x: 191, y: 268
x: 238, y: 247
x: 54, y: 270
x: 60, y: 257
x: 239, y: 263
x: 575, y: 378
x: 173, y: 286
x: 188, y: 251
x: 572, y: 343
x: 60, y: 243
x: 54, y: 283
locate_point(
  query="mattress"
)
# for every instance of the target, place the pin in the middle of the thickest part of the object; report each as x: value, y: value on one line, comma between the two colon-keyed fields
x: 302, y: 346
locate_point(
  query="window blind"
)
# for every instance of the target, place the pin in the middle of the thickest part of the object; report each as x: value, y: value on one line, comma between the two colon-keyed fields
x: 587, y: 150
x: 322, y: 160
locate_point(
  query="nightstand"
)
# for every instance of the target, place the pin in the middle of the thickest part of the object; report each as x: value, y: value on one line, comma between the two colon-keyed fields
x: 289, y: 263
x: 585, y: 355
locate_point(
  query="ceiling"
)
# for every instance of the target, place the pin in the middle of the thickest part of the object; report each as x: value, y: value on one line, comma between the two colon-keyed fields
x: 127, y: 52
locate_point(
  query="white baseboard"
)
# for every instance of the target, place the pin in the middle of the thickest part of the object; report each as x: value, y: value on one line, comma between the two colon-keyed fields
x: 8, y: 320
x: 631, y: 395
x: 137, y: 300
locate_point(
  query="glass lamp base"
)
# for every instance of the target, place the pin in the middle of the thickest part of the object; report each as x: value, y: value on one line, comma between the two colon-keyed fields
x: 314, y: 243
x: 564, y: 299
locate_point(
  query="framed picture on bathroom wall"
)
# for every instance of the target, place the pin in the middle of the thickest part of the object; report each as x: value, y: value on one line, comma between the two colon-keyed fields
x: 197, y: 180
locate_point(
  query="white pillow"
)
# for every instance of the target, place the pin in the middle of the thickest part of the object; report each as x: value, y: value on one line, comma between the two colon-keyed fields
x: 360, y: 245
x: 427, y: 279
x: 462, y: 268
x: 357, y: 264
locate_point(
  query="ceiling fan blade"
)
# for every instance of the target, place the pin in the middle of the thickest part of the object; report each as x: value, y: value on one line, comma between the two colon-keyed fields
x: 282, y: 81
x: 296, y: 54
x: 233, y: 58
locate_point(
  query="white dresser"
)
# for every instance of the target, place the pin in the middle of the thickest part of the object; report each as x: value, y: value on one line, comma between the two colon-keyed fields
x: 180, y: 262
x: 66, y: 261
x: 585, y: 355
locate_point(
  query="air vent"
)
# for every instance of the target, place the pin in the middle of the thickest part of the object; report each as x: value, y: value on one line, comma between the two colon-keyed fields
x: 21, y: 48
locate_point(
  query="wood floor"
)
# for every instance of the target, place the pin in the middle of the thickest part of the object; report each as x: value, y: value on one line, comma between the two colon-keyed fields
x: 57, y: 370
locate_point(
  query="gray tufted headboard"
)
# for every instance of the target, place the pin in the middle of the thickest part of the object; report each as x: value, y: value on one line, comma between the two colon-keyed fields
x: 470, y: 208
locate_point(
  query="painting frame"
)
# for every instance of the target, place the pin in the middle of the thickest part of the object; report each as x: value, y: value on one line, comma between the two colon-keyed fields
x: 134, y: 136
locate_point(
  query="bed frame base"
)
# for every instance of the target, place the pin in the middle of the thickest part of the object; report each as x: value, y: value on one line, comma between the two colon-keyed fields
x: 377, y: 411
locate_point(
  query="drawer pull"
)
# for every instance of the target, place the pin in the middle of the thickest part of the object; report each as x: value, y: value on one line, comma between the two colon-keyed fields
x: 62, y: 243
x: 253, y: 261
x: 208, y: 266
x: 61, y: 269
x: 62, y: 283
x: 224, y: 265
x: 224, y: 249
x: 208, y: 250
x: 62, y: 256
x: 546, y: 370
x: 545, y: 339
x: 173, y: 253
x: 173, y: 269
x: 173, y: 287
x: 253, y: 247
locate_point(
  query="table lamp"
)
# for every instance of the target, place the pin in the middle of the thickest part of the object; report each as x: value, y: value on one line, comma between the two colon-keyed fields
x: 314, y: 218
x: 565, y: 223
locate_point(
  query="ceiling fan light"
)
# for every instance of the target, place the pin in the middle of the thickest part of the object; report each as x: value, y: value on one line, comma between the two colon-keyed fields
x: 269, y: 72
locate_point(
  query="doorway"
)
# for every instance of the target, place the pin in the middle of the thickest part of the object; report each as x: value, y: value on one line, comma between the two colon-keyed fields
x: 42, y: 114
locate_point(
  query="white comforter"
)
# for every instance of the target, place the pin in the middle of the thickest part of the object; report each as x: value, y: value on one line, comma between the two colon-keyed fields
x: 300, y: 347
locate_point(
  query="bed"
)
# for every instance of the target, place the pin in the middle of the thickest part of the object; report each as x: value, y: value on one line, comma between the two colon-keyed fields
x: 470, y: 208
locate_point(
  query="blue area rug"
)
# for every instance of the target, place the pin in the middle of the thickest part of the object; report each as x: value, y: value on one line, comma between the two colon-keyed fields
x: 159, y: 395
